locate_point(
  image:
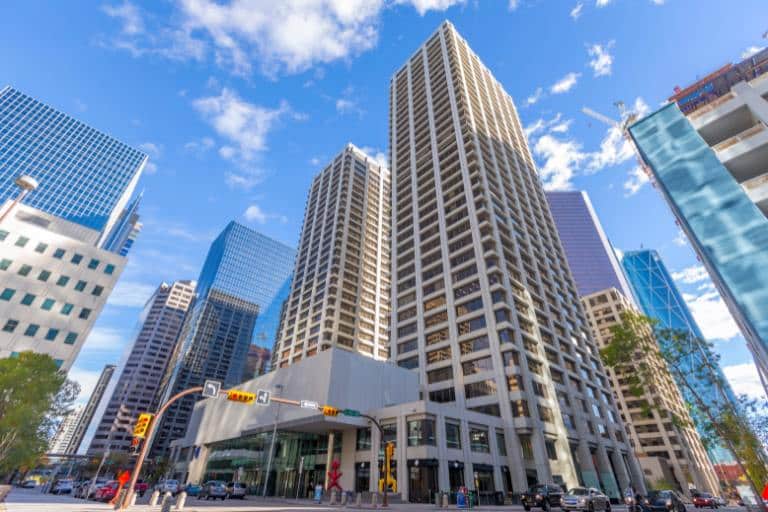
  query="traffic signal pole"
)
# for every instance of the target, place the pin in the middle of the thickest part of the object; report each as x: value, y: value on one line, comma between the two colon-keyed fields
x: 384, y: 500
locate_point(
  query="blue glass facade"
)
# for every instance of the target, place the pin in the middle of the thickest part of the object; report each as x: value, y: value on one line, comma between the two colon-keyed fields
x: 85, y: 176
x: 726, y: 228
x: 123, y: 234
x: 658, y: 296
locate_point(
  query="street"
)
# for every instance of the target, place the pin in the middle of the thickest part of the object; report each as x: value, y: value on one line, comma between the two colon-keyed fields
x: 32, y: 500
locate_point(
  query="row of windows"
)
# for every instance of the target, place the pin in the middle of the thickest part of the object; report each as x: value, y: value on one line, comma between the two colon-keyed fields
x: 51, y: 334
x: 59, y: 253
x: 47, y: 304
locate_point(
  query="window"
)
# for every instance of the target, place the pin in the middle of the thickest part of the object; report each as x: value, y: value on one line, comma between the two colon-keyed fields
x: 97, y: 290
x: 5, y: 263
x: 41, y: 247
x: 80, y: 286
x: 66, y: 309
x: 363, y: 439
x: 440, y: 375
x: 31, y: 330
x: 501, y: 442
x: 43, y: 275
x: 84, y: 314
x: 3, y: 235
x: 28, y: 299
x: 93, y: 264
x: 25, y: 270
x: 477, y: 365
x: 551, y: 450
x: 483, y: 388
x: 526, y: 446
x: 443, y: 395
x: 421, y: 432
x: 76, y: 259
x: 109, y: 268
x: 478, y: 439
x: 62, y: 281
x: 47, y: 304
x: 59, y: 253
x: 515, y: 383
x: 409, y: 363
x: 10, y: 325
x: 21, y: 241
x: 7, y: 294
x: 453, y: 435
x: 520, y: 409
x: 546, y: 415
x: 71, y: 338
x: 51, y: 334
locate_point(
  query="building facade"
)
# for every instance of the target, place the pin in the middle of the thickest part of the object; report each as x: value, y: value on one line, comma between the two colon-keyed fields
x: 711, y: 166
x: 63, y: 438
x: 84, y: 175
x: 659, y: 426
x: 340, y: 291
x: 484, y: 307
x: 257, y: 362
x: 138, y: 386
x: 54, y: 282
x: 590, y: 255
x: 243, y: 272
x: 89, y: 411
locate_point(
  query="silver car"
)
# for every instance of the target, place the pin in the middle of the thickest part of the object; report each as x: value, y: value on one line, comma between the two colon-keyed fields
x: 585, y: 498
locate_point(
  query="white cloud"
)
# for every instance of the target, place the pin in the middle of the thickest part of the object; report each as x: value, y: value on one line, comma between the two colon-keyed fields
x: 615, y: 148
x: 565, y: 84
x: 601, y: 60
x: 561, y: 160
x: 554, y: 125
x: 254, y: 213
x: 745, y: 380
x: 576, y: 11
x: 712, y: 315
x: 635, y: 181
x: 130, y: 294
x: 680, y: 239
x: 199, y: 146
x: 422, y: 6
x: 562, y: 126
x: 376, y: 154
x: 513, y: 4
x: 315, y: 161
x: 534, y: 128
x: 103, y: 339
x: 87, y: 380
x: 535, y: 97
x: 129, y: 15
x: 602, y: 3
x: 154, y: 151
x: 691, y: 275
x: 751, y: 51
x: 348, y: 103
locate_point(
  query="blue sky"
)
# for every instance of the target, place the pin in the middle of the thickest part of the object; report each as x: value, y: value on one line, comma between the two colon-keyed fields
x: 239, y: 103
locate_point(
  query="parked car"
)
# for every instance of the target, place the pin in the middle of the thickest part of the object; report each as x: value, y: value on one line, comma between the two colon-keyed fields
x: 89, y: 488
x: 165, y: 486
x: 543, y: 496
x: 193, y: 489
x: 141, y: 487
x: 236, y: 490
x: 213, y: 489
x: 663, y: 501
x: 586, y: 498
x: 29, y: 484
x: 107, y: 491
x: 63, y: 486
x: 721, y: 502
x: 703, y: 500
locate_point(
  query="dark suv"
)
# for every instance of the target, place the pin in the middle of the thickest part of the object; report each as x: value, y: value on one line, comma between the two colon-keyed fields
x: 542, y: 496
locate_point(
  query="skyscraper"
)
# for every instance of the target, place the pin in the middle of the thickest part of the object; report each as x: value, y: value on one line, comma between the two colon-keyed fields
x: 340, y: 292
x: 139, y: 384
x: 84, y: 175
x: 89, y: 410
x: 590, y: 255
x: 63, y: 438
x: 485, y: 309
x: 711, y: 166
x: 243, y: 272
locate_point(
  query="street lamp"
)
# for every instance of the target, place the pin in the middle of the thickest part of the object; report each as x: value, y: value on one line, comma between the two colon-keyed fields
x: 26, y: 185
x: 279, y: 387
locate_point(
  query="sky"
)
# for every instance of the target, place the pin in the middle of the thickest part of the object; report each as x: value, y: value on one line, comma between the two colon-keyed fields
x: 239, y: 103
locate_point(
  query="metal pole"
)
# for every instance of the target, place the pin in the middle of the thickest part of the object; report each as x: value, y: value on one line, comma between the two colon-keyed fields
x: 384, y: 500
x: 271, y: 446
x: 96, y: 476
x: 13, y: 204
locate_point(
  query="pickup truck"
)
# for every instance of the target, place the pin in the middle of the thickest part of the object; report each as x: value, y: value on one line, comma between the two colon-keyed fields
x: 544, y: 496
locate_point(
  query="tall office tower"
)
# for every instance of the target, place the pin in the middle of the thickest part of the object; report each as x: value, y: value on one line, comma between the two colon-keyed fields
x: 84, y: 175
x: 63, y: 437
x: 590, y: 255
x: 340, y: 292
x: 711, y: 165
x: 242, y: 274
x: 667, y: 445
x: 54, y: 282
x: 485, y: 308
x: 90, y: 408
x: 659, y: 298
x: 138, y: 387
x: 125, y: 231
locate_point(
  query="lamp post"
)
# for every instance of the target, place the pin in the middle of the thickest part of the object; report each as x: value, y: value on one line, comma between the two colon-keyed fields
x: 26, y: 185
x: 279, y: 387
x: 384, y: 501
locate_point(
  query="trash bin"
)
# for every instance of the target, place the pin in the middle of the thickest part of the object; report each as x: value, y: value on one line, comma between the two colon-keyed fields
x: 499, y: 498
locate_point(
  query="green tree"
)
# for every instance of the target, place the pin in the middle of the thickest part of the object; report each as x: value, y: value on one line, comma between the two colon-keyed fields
x: 34, y: 395
x: 721, y: 420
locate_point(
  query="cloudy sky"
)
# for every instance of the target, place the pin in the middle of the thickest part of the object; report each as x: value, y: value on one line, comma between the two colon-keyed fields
x: 239, y: 103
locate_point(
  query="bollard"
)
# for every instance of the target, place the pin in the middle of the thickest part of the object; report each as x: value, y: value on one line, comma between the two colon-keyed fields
x: 133, y: 500
x: 181, y: 499
x: 153, y: 498
x: 165, y: 506
x: 359, y: 500
x: 437, y: 499
x: 445, y: 500
x: 333, y: 497
x: 344, y: 499
x: 374, y: 499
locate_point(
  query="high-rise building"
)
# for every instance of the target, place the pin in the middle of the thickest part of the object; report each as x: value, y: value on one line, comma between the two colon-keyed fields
x: 340, y: 291
x: 89, y: 411
x: 138, y: 387
x: 257, y: 362
x: 54, y: 282
x: 84, y: 175
x: 125, y: 231
x: 590, y: 255
x: 711, y: 165
x: 485, y: 308
x: 243, y: 272
x: 658, y: 423
x: 63, y: 437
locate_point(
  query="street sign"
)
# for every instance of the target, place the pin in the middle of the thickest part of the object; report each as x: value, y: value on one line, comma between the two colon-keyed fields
x: 211, y: 388
x: 262, y: 397
x: 308, y: 404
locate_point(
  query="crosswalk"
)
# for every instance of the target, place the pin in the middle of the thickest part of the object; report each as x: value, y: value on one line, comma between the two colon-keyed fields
x: 32, y: 500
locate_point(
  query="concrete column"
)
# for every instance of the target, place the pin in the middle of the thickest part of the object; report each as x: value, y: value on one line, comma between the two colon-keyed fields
x: 515, y: 460
x: 401, y: 454
x: 540, y: 456
x: 611, y: 487
x: 588, y: 470
x: 375, y: 445
x: 469, y: 476
x: 754, y: 101
x: 443, y: 481
x: 497, y: 460
x: 329, y: 457
x: 348, y: 449
x: 636, y: 473
x: 621, y: 470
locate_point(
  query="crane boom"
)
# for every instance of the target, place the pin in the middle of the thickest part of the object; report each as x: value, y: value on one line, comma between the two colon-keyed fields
x: 600, y: 117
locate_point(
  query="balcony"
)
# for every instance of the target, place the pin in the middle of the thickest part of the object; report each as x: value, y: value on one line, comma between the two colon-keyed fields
x: 746, y: 153
x: 757, y: 190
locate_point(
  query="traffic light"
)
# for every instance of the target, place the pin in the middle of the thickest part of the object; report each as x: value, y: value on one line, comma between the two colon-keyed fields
x: 330, y: 411
x: 142, y: 424
x: 241, y: 396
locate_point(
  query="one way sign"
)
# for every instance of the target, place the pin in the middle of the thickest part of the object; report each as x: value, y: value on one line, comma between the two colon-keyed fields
x: 262, y: 397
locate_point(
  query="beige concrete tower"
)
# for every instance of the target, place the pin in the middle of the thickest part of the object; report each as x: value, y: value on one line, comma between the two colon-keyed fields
x: 485, y: 309
x: 664, y: 447
x: 340, y: 290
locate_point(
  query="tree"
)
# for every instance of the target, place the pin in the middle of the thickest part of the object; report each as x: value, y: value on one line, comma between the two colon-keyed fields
x: 34, y: 395
x: 720, y: 419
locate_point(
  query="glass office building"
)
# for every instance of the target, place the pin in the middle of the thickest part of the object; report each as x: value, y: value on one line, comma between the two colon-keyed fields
x: 243, y: 274
x: 658, y: 297
x: 84, y: 175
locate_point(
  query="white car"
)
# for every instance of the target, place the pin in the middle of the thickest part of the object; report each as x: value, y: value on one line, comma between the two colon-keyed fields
x: 63, y: 486
x: 165, y: 486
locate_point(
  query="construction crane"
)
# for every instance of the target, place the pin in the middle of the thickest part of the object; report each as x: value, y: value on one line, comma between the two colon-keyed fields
x: 627, y: 117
